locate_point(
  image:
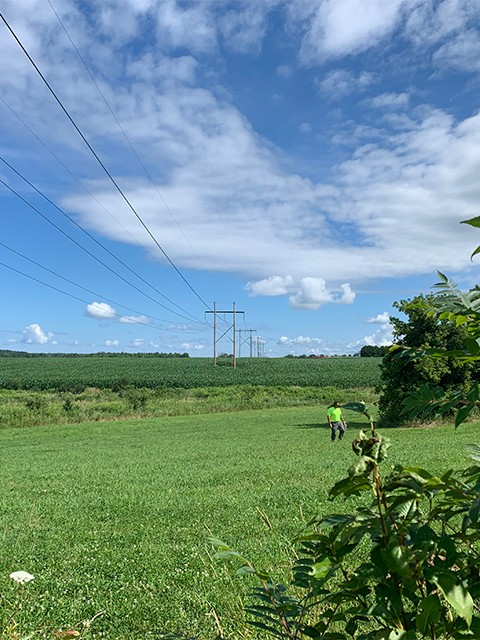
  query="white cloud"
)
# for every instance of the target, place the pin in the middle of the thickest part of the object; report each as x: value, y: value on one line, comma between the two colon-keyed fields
x: 312, y: 293
x: 181, y: 327
x: 134, y: 320
x: 333, y: 33
x: 34, y: 334
x: 100, y: 311
x: 338, y: 83
x: 112, y: 343
x: 299, y: 340
x: 389, y: 101
x: 462, y: 53
x: 272, y: 286
x: 189, y: 346
x: 348, y: 295
x: 243, y: 29
x: 381, y: 337
x: 190, y: 27
x: 137, y: 343
x: 104, y: 311
x: 380, y: 318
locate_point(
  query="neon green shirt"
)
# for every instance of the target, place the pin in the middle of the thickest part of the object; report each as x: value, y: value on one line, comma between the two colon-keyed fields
x: 335, y: 414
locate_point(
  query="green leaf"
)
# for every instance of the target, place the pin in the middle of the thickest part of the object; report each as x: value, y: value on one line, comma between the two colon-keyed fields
x: 245, y: 570
x: 334, y: 519
x: 395, y: 560
x: 474, y: 512
x: 359, y: 407
x: 473, y: 395
x: 321, y: 569
x: 430, y: 608
x: 462, y: 414
x: 350, y: 486
x: 455, y: 594
x: 418, y: 474
x: 474, y: 451
x: 473, y: 222
x: 472, y: 346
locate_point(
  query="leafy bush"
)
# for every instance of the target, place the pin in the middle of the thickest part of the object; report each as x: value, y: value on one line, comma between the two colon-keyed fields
x: 420, y: 332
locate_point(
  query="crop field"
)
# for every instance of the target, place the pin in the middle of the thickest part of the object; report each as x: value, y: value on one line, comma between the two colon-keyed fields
x: 113, y: 520
x: 77, y: 373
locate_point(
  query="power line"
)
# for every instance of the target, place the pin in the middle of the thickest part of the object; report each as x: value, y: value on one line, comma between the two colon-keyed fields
x: 94, y: 293
x: 89, y: 252
x: 70, y: 295
x: 62, y: 164
x: 92, y: 150
x: 92, y: 238
x: 147, y: 173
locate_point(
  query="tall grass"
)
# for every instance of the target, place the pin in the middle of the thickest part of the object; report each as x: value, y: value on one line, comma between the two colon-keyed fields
x: 113, y: 519
x: 30, y: 408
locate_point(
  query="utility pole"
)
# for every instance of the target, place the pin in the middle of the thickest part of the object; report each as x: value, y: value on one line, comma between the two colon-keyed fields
x: 259, y: 344
x: 247, y: 339
x: 230, y: 329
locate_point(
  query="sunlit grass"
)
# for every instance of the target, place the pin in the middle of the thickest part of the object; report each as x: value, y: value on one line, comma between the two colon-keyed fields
x: 113, y: 519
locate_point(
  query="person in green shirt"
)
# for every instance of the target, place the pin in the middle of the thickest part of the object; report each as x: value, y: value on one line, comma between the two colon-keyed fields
x: 336, y: 421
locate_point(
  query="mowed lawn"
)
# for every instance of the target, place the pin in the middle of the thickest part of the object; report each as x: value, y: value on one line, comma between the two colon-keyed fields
x: 113, y: 519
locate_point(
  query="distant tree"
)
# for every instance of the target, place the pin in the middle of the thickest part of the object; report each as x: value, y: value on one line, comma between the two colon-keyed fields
x: 373, y: 351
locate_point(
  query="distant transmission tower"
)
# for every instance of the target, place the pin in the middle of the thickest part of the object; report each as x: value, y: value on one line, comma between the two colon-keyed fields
x: 258, y: 346
x: 248, y: 339
x: 230, y: 330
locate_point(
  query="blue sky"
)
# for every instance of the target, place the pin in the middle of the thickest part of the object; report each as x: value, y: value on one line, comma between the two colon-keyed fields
x: 308, y: 160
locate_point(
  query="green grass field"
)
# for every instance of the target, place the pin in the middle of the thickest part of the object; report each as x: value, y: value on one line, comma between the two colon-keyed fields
x: 113, y: 519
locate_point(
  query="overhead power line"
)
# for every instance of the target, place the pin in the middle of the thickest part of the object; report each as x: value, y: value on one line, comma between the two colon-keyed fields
x: 70, y: 295
x: 75, y: 284
x: 62, y: 164
x: 129, y: 142
x: 89, y: 252
x: 94, y: 153
x: 91, y: 238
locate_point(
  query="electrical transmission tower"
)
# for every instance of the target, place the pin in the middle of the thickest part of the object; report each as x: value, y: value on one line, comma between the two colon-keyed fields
x: 259, y: 346
x: 242, y: 341
x: 231, y: 330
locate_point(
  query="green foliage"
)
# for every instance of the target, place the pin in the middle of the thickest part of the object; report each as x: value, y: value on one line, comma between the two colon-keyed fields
x: 474, y: 222
x: 29, y: 408
x: 462, y: 310
x: 438, y: 396
x: 75, y: 374
x: 404, y: 372
x: 405, y: 567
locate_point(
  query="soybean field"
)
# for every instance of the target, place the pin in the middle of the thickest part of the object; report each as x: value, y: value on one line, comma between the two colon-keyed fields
x: 66, y: 373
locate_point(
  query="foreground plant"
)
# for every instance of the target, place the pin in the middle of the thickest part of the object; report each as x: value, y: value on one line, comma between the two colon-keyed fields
x: 13, y: 618
x: 403, y: 568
